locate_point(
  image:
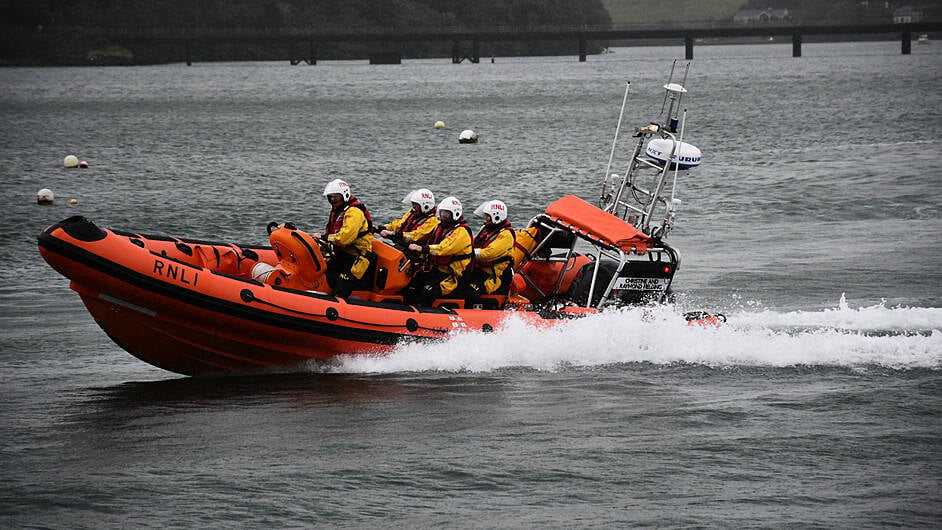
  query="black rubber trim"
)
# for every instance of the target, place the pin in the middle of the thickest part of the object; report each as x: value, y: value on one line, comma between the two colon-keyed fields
x: 80, y: 228
x: 309, y: 294
x: 184, y: 248
x: 159, y: 238
x: 439, y: 310
x: 310, y: 250
x: 381, y: 305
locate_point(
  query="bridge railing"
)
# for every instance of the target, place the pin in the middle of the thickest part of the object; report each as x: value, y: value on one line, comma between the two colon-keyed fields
x: 328, y: 30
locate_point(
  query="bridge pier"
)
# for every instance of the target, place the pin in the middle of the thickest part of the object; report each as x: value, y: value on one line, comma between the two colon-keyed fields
x: 906, y: 43
x: 688, y: 48
x: 188, y: 45
x: 295, y: 60
x: 458, y: 54
x: 583, y: 46
x: 796, y: 44
x: 384, y: 57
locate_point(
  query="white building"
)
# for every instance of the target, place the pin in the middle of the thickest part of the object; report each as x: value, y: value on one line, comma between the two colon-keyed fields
x: 753, y: 16
x: 906, y: 15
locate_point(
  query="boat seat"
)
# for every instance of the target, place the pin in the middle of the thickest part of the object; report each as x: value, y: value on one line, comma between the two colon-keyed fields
x: 375, y: 298
x: 387, y: 278
x: 489, y: 301
x: 387, y: 298
x: 451, y: 303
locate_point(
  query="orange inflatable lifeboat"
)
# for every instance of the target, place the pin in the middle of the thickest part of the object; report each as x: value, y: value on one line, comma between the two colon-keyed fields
x: 196, y: 307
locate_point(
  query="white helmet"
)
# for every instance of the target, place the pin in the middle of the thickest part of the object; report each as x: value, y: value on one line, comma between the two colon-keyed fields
x: 452, y: 205
x: 339, y: 187
x: 423, y: 197
x: 496, y: 209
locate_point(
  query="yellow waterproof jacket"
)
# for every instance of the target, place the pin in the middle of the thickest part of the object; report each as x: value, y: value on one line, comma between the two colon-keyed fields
x: 451, y: 255
x: 353, y: 237
x: 418, y: 234
x: 494, y: 258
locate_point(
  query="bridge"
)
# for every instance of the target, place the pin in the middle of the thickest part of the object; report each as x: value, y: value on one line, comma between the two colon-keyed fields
x: 303, y: 44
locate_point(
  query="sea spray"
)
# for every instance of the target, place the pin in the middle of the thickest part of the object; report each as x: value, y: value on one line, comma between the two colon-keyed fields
x: 899, y: 338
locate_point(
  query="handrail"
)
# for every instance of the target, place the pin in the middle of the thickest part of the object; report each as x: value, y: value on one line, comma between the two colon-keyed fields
x: 501, y: 32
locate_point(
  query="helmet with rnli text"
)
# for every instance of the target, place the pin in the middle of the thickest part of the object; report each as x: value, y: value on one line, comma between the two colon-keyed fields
x: 451, y: 204
x: 496, y: 209
x: 423, y: 197
x: 338, y: 187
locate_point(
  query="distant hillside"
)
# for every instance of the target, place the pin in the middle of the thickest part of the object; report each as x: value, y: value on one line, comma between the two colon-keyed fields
x: 691, y: 11
x: 648, y: 11
x: 39, y: 32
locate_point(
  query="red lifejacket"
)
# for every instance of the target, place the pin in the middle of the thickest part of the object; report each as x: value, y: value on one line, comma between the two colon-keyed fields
x: 488, y: 234
x: 439, y: 235
x: 335, y: 221
x: 415, y: 220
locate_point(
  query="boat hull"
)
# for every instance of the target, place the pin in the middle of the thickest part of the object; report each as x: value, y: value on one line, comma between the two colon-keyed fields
x: 195, y: 321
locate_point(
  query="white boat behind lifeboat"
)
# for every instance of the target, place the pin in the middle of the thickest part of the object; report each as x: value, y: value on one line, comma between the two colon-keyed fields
x: 687, y: 156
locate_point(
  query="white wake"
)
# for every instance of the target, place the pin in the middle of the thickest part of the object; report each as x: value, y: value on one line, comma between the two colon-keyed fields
x: 898, y: 338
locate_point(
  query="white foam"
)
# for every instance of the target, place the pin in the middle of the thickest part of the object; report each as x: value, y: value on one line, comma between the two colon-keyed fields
x: 906, y: 338
x: 877, y: 317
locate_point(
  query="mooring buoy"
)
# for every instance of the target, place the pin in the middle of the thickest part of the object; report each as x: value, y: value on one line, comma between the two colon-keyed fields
x: 468, y: 136
x: 45, y: 197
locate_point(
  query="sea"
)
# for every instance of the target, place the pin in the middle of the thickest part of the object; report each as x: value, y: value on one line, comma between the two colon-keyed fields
x: 814, y: 224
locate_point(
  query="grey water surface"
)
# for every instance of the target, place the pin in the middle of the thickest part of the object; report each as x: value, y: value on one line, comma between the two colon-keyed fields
x: 814, y: 223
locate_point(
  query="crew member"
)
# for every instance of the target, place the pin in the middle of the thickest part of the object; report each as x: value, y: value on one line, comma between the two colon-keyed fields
x: 493, y: 252
x: 449, y: 254
x: 349, y: 232
x: 417, y: 224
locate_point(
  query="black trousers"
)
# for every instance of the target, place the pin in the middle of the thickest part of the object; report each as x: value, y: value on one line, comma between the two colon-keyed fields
x: 339, y: 277
x: 474, y: 286
x: 424, y: 288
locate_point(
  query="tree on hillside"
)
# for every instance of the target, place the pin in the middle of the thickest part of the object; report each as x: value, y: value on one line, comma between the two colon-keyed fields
x: 63, y: 31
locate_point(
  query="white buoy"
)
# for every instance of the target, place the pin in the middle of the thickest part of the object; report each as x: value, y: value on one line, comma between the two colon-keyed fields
x: 687, y: 155
x: 468, y: 136
x: 45, y: 196
x: 439, y: 124
x: 71, y: 161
